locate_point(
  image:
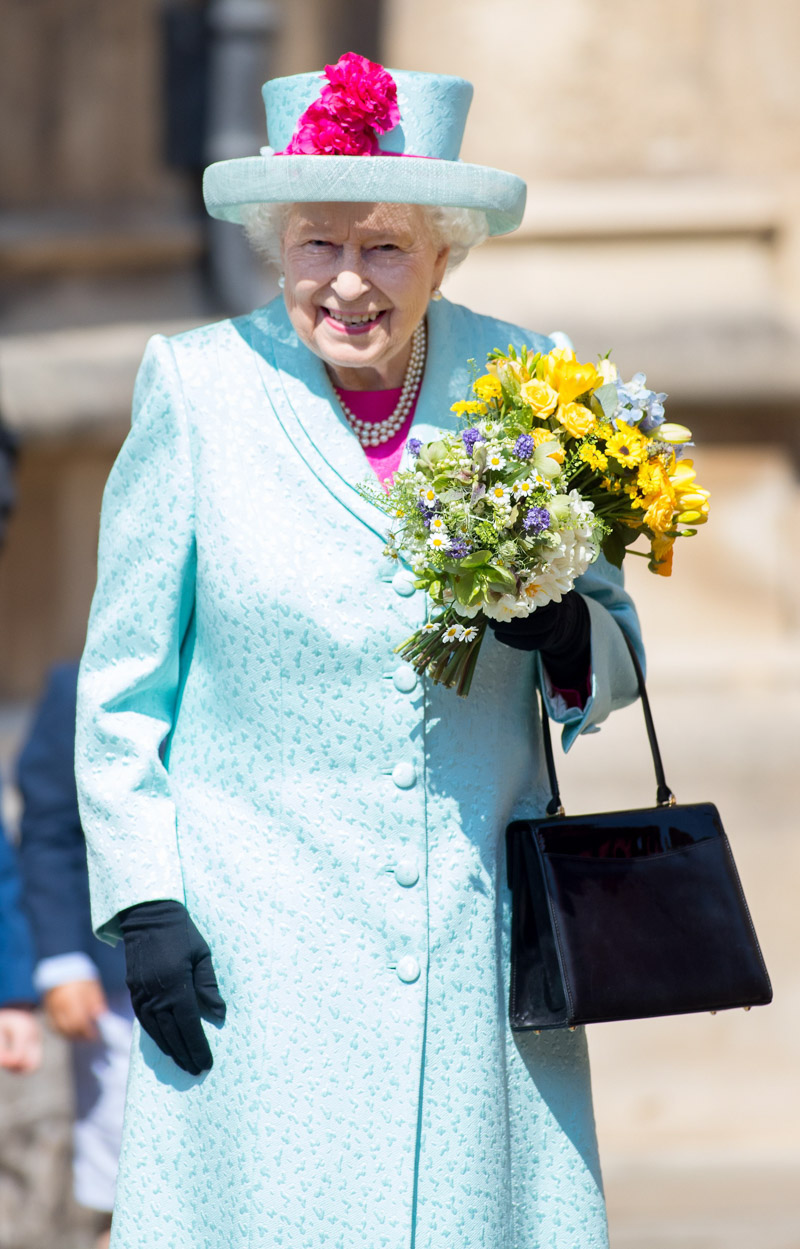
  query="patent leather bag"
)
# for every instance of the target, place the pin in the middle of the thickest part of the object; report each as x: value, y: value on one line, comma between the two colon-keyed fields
x: 627, y: 914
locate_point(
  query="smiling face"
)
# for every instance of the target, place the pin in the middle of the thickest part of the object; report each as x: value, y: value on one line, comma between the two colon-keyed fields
x: 358, y: 281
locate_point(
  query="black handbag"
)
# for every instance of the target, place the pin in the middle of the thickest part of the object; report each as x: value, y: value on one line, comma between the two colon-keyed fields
x: 627, y: 914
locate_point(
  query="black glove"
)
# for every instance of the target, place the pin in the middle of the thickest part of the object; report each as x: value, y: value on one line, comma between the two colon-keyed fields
x: 171, y: 980
x: 560, y: 631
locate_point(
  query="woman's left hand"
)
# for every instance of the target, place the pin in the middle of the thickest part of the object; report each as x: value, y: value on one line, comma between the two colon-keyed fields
x: 560, y: 631
x: 554, y: 628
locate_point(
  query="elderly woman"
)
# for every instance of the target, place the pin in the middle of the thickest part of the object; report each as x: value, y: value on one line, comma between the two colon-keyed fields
x: 283, y: 819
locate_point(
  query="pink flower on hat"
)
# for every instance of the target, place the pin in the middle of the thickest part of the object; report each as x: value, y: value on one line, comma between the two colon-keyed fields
x: 361, y: 92
x: 320, y: 133
x: 356, y: 104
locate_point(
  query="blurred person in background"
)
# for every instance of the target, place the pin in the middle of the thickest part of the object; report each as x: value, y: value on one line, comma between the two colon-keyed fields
x: 264, y: 785
x: 81, y: 980
x: 20, y: 1035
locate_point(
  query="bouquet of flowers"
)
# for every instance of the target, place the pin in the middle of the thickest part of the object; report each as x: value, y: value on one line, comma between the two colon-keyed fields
x: 555, y: 461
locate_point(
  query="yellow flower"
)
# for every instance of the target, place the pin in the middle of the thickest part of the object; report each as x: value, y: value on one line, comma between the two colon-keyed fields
x: 540, y: 435
x: 692, y: 501
x: 487, y: 387
x: 676, y: 434
x: 576, y: 419
x: 593, y: 456
x: 562, y: 371
x: 694, y: 498
x: 627, y: 445
x: 604, y: 430
x: 661, y: 555
x: 469, y: 407
x: 693, y: 506
x: 509, y: 371
x: 540, y: 398
x: 682, y: 474
x: 606, y: 371
x: 650, y: 477
x: 660, y: 511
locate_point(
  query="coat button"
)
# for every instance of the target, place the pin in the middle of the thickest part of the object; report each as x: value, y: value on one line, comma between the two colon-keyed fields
x: 405, y: 678
x: 403, y: 582
x: 404, y: 775
x: 407, y: 872
x: 408, y: 969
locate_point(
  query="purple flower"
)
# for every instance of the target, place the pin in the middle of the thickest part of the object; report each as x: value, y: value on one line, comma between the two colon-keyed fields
x: 459, y: 549
x: 523, y: 447
x: 414, y: 445
x: 427, y: 513
x: 537, y: 519
x: 470, y: 437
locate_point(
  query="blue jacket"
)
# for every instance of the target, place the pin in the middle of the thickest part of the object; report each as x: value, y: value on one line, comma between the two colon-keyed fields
x: 52, y: 847
x: 16, y: 949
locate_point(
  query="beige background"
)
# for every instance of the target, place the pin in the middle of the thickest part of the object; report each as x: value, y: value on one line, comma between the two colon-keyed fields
x: 660, y: 142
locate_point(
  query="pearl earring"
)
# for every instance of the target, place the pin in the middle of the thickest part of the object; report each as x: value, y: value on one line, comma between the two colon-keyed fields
x: 436, y: 294
x: 282, y: 281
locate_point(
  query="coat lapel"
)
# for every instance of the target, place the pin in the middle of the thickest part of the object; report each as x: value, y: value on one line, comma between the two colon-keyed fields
x: 307, y: 411
x: 305, y: 405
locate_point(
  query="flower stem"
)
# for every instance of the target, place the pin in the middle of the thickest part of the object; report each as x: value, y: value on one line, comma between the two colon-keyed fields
x: 451, y: 664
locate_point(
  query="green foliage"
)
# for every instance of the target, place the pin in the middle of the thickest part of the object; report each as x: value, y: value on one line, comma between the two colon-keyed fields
x: 607, y: 400
x: 616, y: 542
x: 476, y: 559
x: 501, y: 579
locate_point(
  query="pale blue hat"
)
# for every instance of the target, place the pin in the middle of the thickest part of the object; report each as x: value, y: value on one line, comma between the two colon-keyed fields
x: 424, y: 170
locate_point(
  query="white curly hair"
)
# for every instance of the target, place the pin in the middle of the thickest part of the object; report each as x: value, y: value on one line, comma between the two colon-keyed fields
x: 460, y: 229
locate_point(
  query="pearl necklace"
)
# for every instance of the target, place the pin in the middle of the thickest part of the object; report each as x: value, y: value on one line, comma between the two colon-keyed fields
x: 374, y: 433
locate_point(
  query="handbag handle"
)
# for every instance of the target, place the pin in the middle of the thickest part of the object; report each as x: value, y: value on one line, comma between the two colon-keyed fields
x: 664, y: 795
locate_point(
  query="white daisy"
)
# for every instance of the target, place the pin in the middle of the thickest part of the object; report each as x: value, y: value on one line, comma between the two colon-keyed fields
x: 468, y: 633
x: 428, y: 495
x: 523, y: 488
x: 495, y: 458
x: 498, y: 493
x: 439, y: 542
x: 453, y: 634
x: 438, y: 525
x: 431, y: 626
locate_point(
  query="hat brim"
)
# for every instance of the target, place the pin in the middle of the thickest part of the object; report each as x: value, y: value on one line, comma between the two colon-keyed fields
x: 231, y: 185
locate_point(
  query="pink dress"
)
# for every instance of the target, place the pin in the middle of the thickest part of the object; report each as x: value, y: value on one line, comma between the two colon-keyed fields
x: 376, y: 405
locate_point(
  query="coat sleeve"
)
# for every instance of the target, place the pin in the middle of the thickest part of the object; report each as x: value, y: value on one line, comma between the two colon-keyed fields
x: 52, y: 849
x: 129, y: 672
x: 16, y: 947
x: 613, y: 680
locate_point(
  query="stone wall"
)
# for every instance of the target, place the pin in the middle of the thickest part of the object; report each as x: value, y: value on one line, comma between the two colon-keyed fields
x: 80, y: 92
x: 658, y: 138
x: 588, y: 90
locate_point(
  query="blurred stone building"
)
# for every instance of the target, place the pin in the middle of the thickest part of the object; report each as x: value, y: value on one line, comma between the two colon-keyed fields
x: 659, y: 140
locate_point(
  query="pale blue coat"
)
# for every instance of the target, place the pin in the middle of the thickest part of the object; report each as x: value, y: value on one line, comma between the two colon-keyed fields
x: 334, y: 826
